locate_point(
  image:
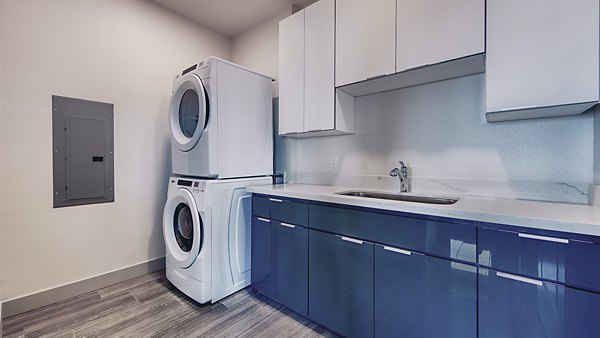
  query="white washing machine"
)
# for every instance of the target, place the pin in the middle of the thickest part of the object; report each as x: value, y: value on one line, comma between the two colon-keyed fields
x: 206, y: 226
x: 221, y: 121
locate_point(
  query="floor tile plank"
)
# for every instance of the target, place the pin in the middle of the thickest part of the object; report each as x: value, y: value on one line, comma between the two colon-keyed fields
x: 150, y: 306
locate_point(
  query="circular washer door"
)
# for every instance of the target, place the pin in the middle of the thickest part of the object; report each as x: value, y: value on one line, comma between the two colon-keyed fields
x: 182, y: 228
x: 188, y: 112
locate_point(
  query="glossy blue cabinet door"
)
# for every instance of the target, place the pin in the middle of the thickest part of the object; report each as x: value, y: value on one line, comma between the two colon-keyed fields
x: 289, y: 211
x: 340, y: 284
x: 515, y: 306
x: 451, y: 299
x: 261, y: 206
x: 292, y: 267
x: 399, y: 290
x: 423, y: 296
x: 264, y: 253
x: 549, y: 257
x: 456, y: 241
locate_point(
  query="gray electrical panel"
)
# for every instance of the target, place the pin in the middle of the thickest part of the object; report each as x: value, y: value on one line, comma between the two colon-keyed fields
x: 83, y: 151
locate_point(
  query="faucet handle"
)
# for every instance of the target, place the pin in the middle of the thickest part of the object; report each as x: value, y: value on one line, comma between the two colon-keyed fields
x: 403, y: 167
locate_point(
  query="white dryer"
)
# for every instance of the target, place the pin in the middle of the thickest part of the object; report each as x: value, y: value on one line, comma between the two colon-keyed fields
x: 221, y: 121
x: 206, y: 227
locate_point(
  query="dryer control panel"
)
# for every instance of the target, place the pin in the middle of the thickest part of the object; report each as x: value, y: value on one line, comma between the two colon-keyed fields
x: 198, y: 186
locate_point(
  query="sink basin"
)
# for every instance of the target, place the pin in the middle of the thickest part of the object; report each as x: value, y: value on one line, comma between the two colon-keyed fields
x: 399, y: 197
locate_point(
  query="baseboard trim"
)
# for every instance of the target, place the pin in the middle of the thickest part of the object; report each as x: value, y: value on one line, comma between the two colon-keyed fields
x: 36, y: 300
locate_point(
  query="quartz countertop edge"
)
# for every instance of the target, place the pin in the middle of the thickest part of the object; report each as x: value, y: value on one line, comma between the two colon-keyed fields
x: 565, y: 217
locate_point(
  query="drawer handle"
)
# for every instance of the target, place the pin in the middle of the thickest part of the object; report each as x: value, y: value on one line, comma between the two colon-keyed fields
x: 264, y: 220
x: 275, y: 200
x: 545, y: 238
x: 291, y: 226
x: 519, y: 278
x: 400, y: 251
x: 351, y: 240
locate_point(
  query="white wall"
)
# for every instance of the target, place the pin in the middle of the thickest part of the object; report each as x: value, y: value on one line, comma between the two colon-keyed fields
x: 121, y: 51
x: 258, y: 47
x: 439, y: 129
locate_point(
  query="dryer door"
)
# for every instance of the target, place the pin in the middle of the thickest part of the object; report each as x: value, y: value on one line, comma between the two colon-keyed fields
x: 182, y: 228
x: 188, y: 112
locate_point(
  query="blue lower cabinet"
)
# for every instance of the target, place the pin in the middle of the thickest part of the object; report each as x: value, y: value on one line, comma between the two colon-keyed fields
x: 515, y: 306
x: 549, y: 257
x: 453, y: 240
x: 341, y: 284
x: 399, y: 292
x: 264, y: 253
x: 423, y: 296
x: 292, y: 267
x: 450, y: 298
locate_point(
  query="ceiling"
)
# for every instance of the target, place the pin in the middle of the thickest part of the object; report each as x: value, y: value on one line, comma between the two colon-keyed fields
x: 229, y: 17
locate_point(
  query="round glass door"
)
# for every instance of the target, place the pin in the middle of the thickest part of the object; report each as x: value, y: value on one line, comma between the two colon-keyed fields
x: 182, y: 228
x: 188, y: 112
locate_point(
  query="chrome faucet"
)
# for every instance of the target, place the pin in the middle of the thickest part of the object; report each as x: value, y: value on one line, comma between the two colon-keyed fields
x: 402, y: 174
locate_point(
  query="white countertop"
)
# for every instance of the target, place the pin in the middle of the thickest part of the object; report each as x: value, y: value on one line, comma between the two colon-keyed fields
x: 573, y: 218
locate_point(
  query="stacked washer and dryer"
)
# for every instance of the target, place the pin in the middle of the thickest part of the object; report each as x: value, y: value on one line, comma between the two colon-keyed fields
x: 221, y: 143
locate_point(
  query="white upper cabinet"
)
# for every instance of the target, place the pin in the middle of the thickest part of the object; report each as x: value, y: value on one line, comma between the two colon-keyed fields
x: 319, y: 66
x: 291, y: 74
x: 365, y: 39
x: 434, y: 31
x: 398, y: 38
x: 542, y: 58
x: 308, y: 102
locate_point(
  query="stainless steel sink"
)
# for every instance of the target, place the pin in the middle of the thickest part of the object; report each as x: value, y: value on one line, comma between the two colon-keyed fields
x: 399, y: 197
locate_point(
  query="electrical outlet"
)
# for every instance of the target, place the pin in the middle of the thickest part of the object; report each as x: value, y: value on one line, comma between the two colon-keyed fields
x: 333, y: 161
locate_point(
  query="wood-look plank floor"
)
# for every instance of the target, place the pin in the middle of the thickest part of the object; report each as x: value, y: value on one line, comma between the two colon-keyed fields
x: 149, y: 306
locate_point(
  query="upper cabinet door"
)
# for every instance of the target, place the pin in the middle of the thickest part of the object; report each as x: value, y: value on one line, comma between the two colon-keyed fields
x: 291, y: 74
x: 433, y: 31
x: 319, y: 66
x: 365, y: 39
x: 541, y: 53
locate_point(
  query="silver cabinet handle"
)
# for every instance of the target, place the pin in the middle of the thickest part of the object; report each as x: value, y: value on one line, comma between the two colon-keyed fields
x: 519, y: 278
x: 275, y: 200
x: 545, y: 238
x: 264, y: 220
x: 291, y: 226
x: 352, y: 240
x: 400, y: 251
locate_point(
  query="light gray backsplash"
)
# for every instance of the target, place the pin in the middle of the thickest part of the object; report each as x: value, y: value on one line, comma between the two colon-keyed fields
x: 596, y: 113
x: 439, y: 131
